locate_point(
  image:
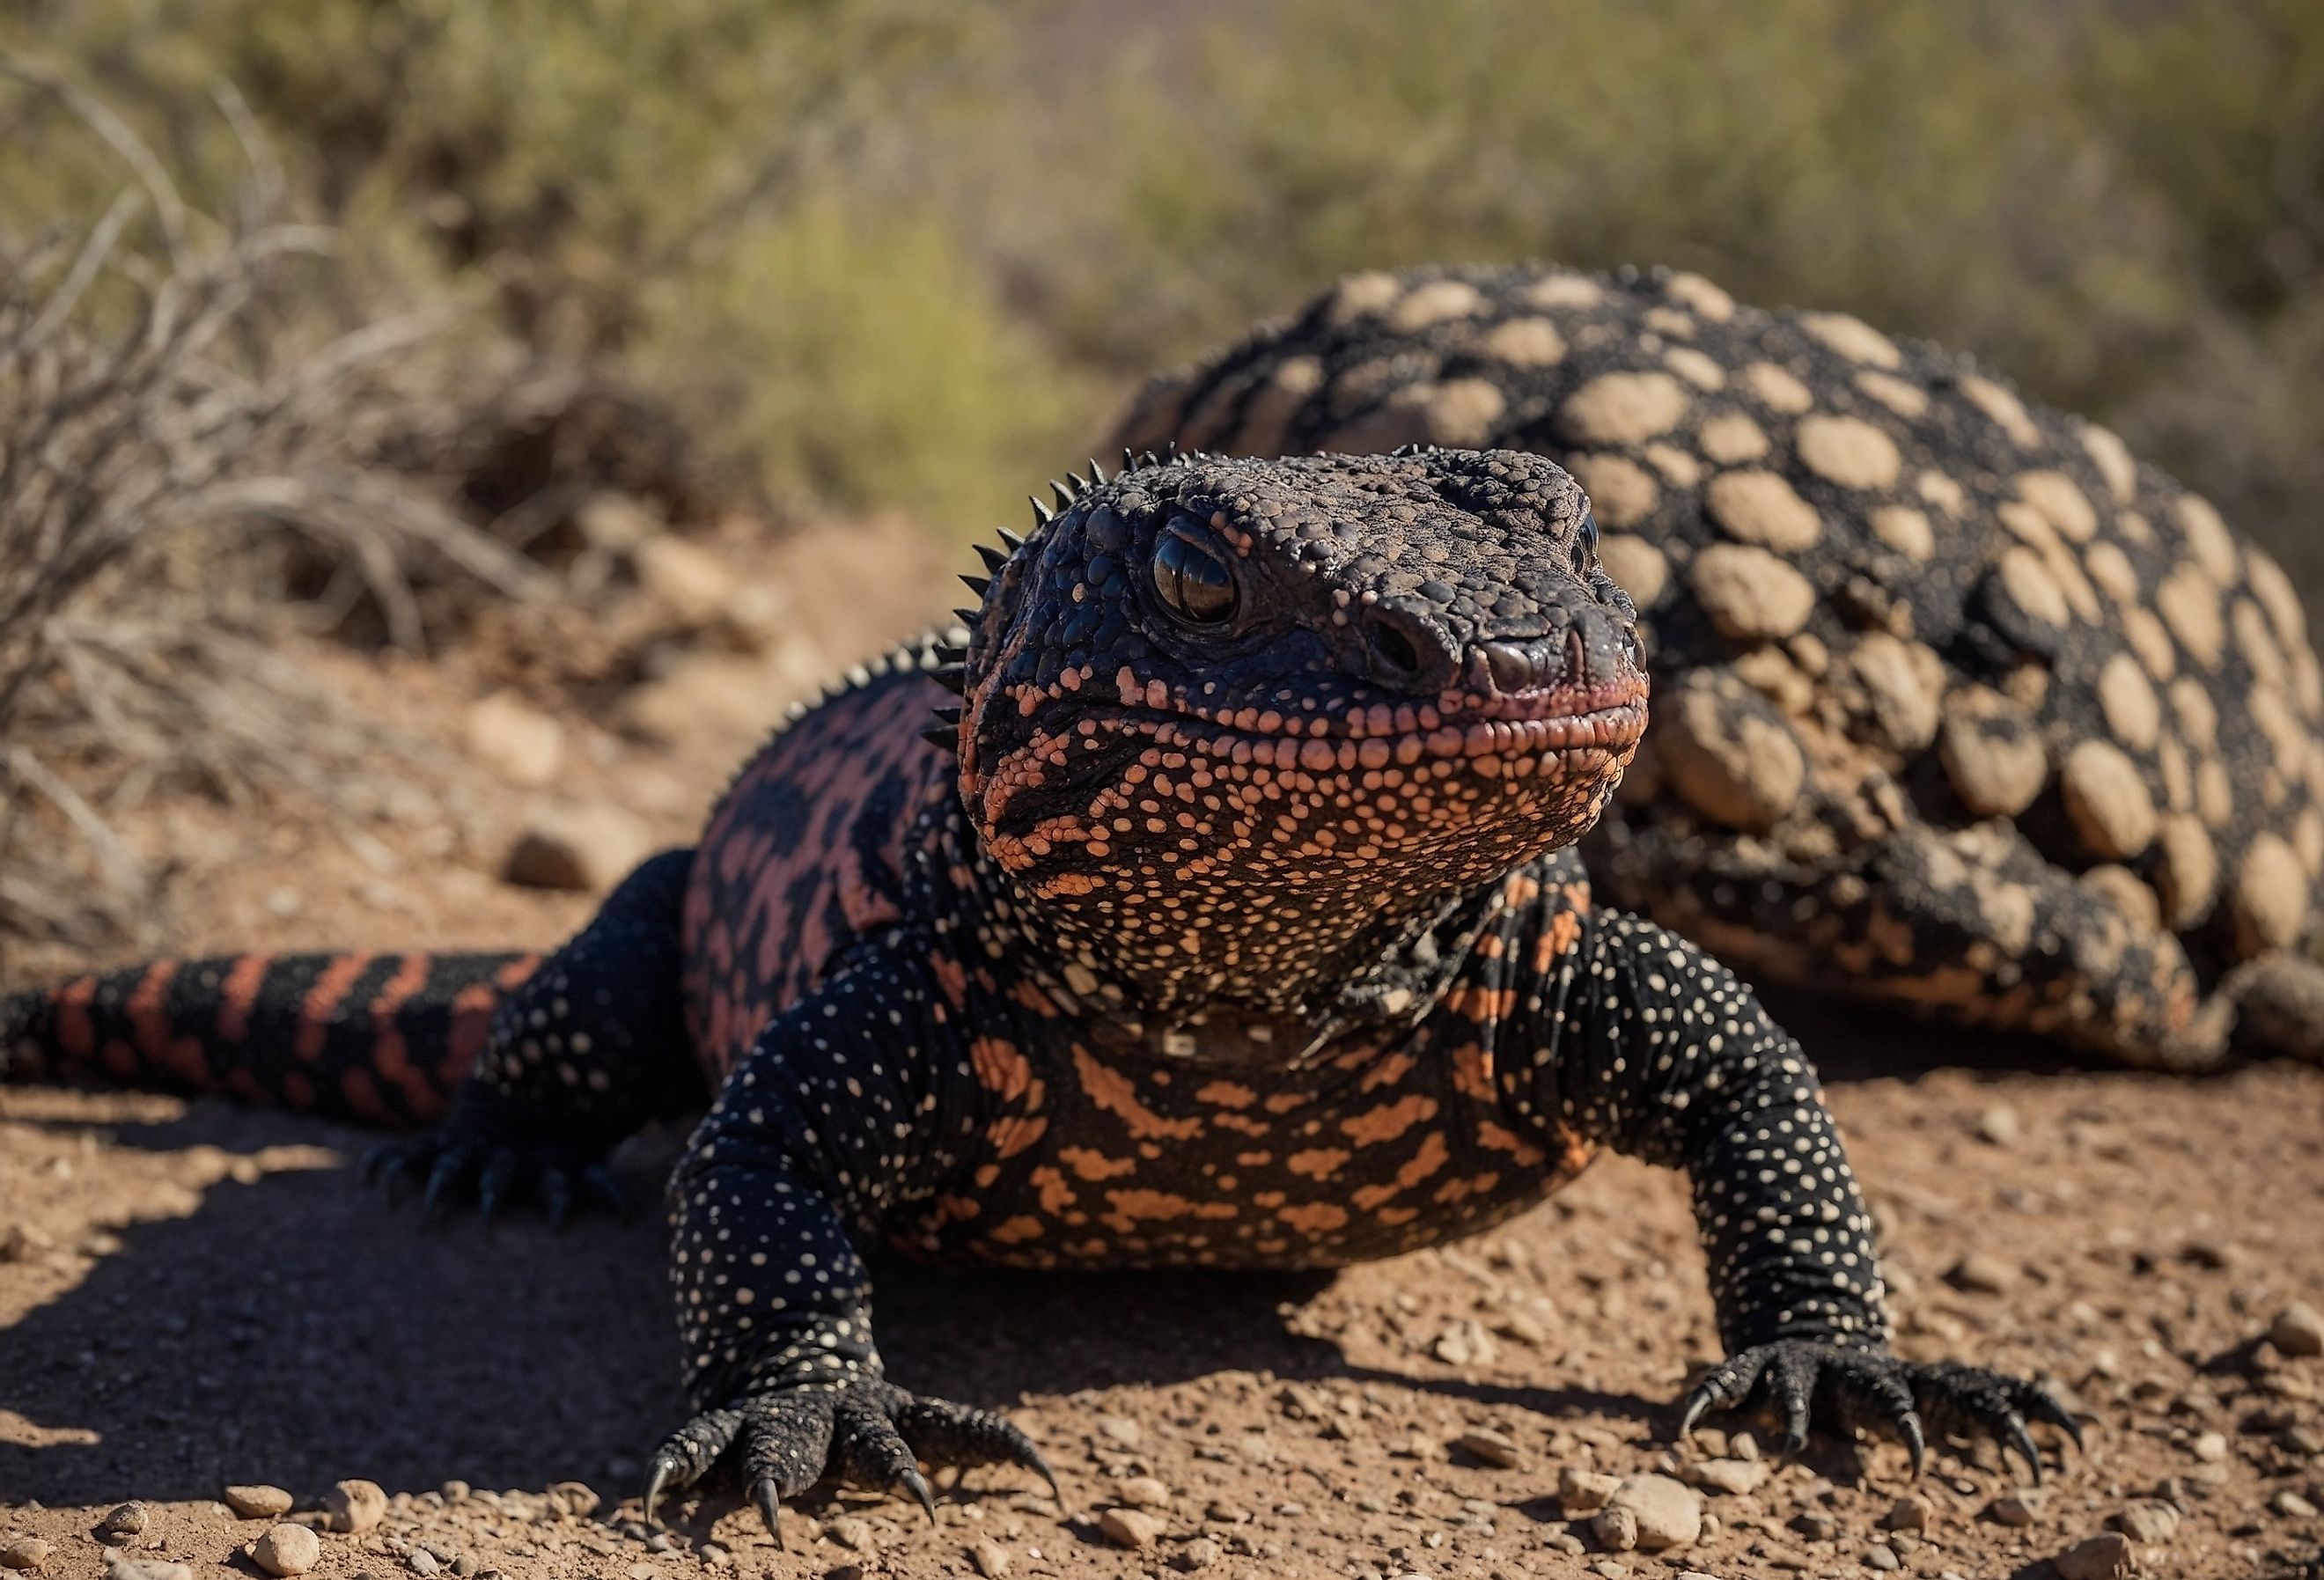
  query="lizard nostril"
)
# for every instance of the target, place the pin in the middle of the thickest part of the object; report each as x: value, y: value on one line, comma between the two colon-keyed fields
x: 1394, y: 650
x: 1404, y: 650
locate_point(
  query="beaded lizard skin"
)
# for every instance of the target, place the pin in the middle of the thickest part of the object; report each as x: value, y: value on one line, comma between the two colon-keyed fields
x: 1230, y: 919
x: 1961, y: 709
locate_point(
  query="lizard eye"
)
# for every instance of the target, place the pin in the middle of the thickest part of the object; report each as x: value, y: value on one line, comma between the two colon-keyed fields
x: 1585, y: 541
x: 1191, y: 574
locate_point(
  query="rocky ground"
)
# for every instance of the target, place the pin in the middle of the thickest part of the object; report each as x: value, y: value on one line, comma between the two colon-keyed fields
x: 218, y: 1354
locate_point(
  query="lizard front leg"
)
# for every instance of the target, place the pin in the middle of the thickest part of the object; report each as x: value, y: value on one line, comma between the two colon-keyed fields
x: 1659, y: 1052
x: 850, y: 1107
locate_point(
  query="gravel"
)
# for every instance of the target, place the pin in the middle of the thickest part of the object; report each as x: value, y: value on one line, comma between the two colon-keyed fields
x: 258, y: 1502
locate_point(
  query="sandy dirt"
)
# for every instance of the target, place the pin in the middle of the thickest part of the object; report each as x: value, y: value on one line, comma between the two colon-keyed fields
x: 194, y: 1296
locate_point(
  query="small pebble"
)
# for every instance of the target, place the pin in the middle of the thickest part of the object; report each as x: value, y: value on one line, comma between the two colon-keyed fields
x: 1198, y: 1554
x: 1999, y: 1126
x: 1121, y: 1431
x: 287, y: 1550
x: 356, y: 1505
x: 2211, y: 1448
x: 1669, y: 1513
x: 1143, y: 1492
x: 575, y: 1499
x: 1494, y: 1448
x: 1734, y: 1478
x: 1982, y: 1274
x: 420, y: 1561
x: 2015, y: 1510
x: 851, y: 1532
x: 28, y: 1552
x: 1128, y: 1527
x: 2292, y: 1505
x: 2101, y: 1558
x: 1909, y: 1512
x: 991, y: 1559
x: 121, y: 1524
x: 1816, y: 1525
x: 2149, y: 1521
x: 1880, y: 1555
x: 120, y: 1568
x: 1584, y: 1491
x: 258, y: 1502
x: 2298, y: 1330
x: 1617, y: 1529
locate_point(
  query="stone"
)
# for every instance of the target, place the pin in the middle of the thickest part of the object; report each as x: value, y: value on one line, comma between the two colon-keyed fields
x: 1668, y: 1513
x: 1732, y: 1478
x: 516, y: 741
x: 1992, y: 752
x: 258, y: 1502
x: 2015, y: 1510
x: 1198, y: 1554
x: 2211, y: 1448
x: 574, y: 1500
x: 2000, y: 1126
x: 1982, y: 1274
x: 124, y: 1524
x: 2149, y: 1521
x: 852, y: 1533
x: 2293, y: 1505
x: 1129, y: 1528
x: 287, y: 1550
x: 582, y: 847
x: 423, y: 1562
x: 1760, y: 507
x: 1749, y: 594
x: 355, y: 1506
x: 1121, y: 1431
x: 2101, y: 1558
x: 1494, y: 1448
x: 1143, y: 1492
x: 1584, y: 1491
x: 2107, y: 800
x: 121, y: 1569
x: 2298, y: 1330
x: 1617, y: 1529
x: 1909, y: 1512
x: 1848, y: 451
x: 25, y: 1553
x: 1622, y: 408
x: 1881, y: 1555
x: 991, y: 1559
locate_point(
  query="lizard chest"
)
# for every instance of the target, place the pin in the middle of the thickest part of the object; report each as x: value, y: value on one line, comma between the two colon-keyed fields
x: 1103, y: 1159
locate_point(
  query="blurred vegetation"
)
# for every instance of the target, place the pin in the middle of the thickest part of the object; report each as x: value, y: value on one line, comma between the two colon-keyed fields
x: 882, y: 253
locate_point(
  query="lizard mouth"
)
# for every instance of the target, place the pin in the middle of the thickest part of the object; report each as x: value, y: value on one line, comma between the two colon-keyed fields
x: 1559, y: 736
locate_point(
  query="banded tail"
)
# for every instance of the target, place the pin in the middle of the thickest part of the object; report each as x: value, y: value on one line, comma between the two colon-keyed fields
x: 380, y: 1039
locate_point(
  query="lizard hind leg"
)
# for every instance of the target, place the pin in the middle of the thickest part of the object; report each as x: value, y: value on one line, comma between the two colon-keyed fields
x: 588, y: 1050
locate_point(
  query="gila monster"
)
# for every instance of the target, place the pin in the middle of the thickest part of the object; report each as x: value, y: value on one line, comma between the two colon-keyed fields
x: 1230, y: 919
x: 1960, y: 706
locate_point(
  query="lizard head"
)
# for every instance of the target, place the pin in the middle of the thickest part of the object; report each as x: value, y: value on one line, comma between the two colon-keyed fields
x: 1231, y: 714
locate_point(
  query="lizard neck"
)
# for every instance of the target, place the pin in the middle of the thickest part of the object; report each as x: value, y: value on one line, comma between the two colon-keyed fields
x: 1257, y: 976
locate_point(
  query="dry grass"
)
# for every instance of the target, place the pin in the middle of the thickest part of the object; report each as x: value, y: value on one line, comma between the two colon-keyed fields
x: 181, y: 452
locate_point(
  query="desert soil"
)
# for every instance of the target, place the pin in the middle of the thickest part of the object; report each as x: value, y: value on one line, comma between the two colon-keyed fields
x: 194, y: 1295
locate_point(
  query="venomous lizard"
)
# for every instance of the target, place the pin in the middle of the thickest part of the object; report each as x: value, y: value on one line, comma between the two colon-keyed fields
x: 1229, y: 918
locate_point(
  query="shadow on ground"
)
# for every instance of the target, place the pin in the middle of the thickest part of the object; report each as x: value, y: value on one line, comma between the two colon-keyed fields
x: 294, y: 1331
